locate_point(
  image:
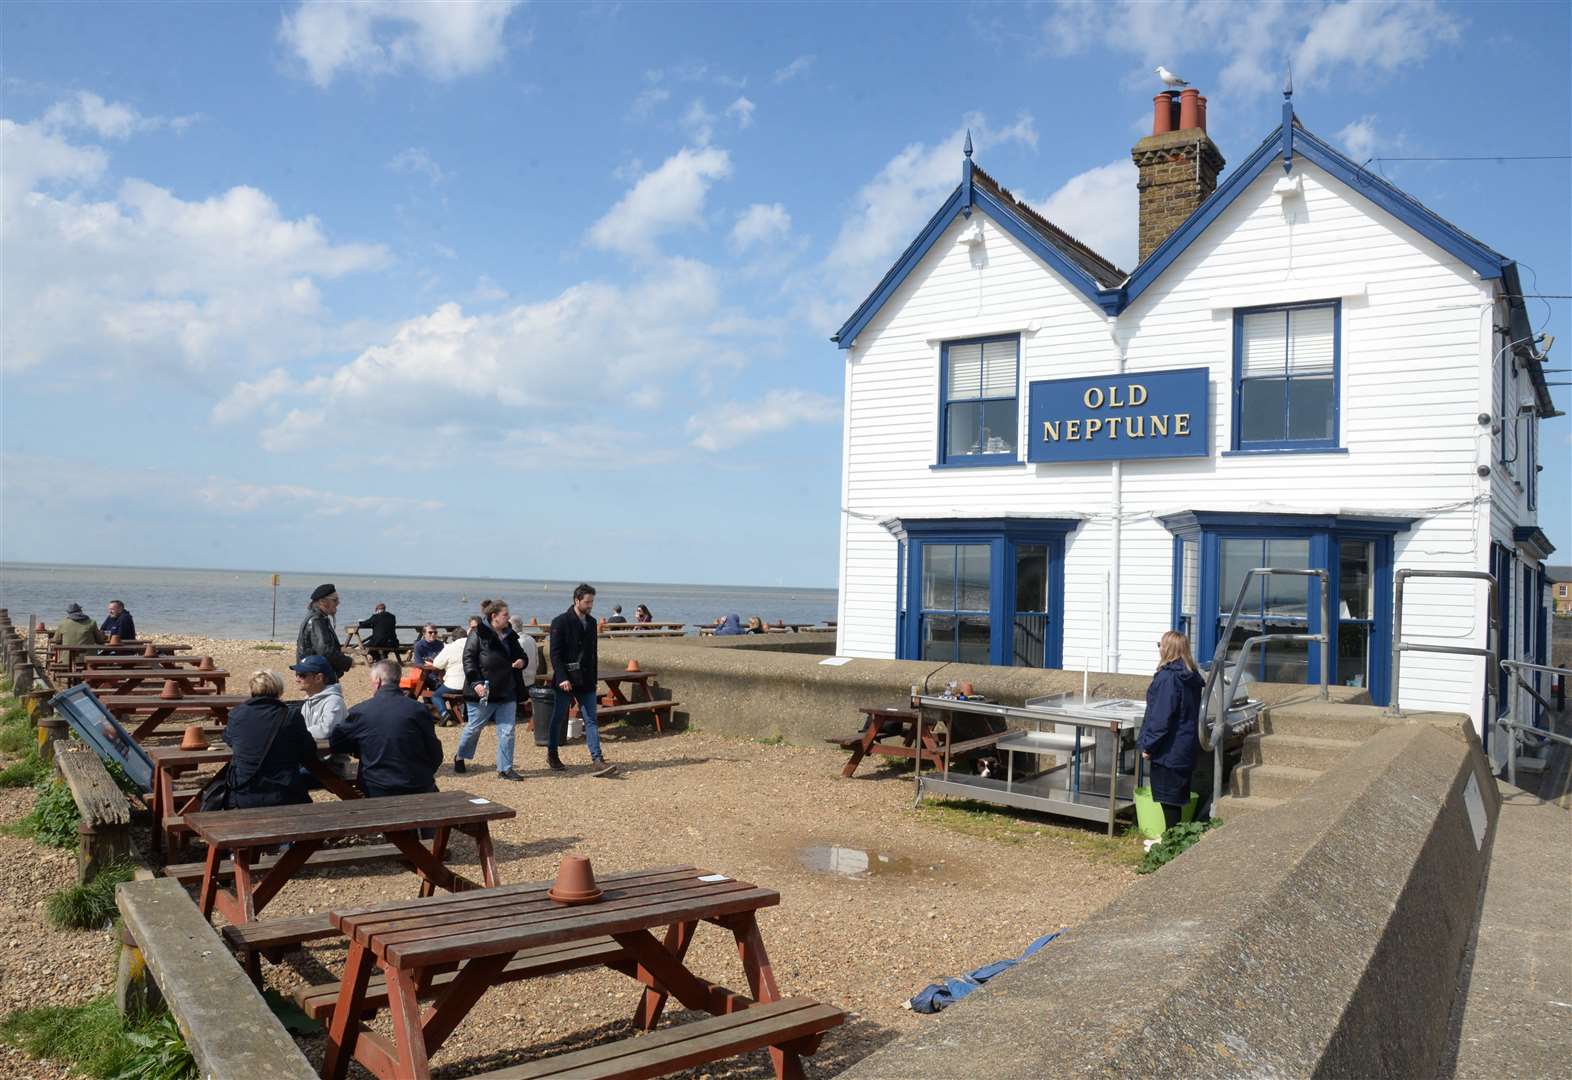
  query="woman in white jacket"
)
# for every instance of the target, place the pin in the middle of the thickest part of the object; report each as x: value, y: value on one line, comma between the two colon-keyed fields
x: 450, y: 661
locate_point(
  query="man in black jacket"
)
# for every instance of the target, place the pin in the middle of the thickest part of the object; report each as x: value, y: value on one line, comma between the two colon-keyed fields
x: 393, y: 736
x: 575, y: 669
x: 384, y: 633
x: 316, y: 636
x: 493, y: 682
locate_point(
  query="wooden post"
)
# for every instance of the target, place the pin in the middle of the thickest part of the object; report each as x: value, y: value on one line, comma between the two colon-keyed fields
x: 51, y: 729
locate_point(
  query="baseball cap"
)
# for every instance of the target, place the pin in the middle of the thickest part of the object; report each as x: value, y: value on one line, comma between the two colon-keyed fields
x: 313, y: 665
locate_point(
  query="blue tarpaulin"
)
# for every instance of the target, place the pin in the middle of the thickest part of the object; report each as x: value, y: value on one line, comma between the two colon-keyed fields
x: 937, y: 996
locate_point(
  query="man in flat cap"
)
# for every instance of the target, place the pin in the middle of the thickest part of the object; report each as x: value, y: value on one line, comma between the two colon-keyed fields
x: 317, y: 637
x: 77, y: 629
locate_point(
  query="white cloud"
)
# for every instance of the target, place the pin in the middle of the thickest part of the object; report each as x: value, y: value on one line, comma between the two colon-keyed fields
x: 736, y: 422
x: 648, y: 100
x: 797, y: 67
x: 760, y: 223
x: 1325, y: 40
x: 1100, y: 208
x: 416, y: 161
x: 889, y: 209
x: 107, y: 119
x: 511, y: 370
x: 373, y: 37
x: 247, y: 398
x: 146, y: 276
x: 700, y: 123
x: 1359, y: 138
x: 671, y: 197
x: 237, y: 497
x: 742, y: 110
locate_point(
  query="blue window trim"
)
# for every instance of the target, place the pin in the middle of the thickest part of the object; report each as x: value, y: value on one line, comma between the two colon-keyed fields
x: 1290, y: 445
x: 973, y: 461
x: 1325, y: 532
x: 1001, y: 534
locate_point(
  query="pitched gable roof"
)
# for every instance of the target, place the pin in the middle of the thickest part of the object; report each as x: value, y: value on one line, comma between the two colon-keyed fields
x: 1098, y: 268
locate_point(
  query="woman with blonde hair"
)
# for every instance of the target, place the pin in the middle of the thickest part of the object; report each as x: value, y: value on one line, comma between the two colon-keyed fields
x: 1168, y: 737
x: 271, y: 745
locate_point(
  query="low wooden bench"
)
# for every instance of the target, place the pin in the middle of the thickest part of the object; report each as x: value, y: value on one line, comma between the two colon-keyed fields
x: 190, y: 873
x: 318, y: 1001
x: 797, y: 1022
x: 227, y: 1025
x: 104, y: 835
x: 660, y: 709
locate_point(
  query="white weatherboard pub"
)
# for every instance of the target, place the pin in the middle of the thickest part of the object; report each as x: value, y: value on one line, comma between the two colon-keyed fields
x: 1050, y: 461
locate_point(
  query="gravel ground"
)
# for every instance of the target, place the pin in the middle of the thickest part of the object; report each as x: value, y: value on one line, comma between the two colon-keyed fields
x: 958, y: 890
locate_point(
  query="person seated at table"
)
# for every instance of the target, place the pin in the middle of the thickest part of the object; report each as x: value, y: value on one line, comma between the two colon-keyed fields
x: 729, y: 626
x: 392, y: 735
x: 77, y: 629
x: 384, y: 633
x: 271, y: 748
x: 641, y: 614
x: 616, y: 615
x: 755, y: 625
x: 426, y: 647
x: 119, y: 623
x: 450, y: 664
x: 324, y: 705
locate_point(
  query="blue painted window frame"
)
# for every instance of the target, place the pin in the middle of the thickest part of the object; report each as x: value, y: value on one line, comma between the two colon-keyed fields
x: 973, y: 461
x: 1502, y: 569
x: 1325, y: 533
x: 1002, y: 535
x: 1285, y: 445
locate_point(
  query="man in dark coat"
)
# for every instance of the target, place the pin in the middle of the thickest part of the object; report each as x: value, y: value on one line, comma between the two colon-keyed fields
x: 119, y: 622
x: 77, y: 629
x: 384, y: 633
x: 575, y: 668
x: 317, y: 636
x: 394, y: 737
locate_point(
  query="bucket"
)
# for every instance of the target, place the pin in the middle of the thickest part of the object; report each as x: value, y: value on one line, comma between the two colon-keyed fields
x: 1149, y: 813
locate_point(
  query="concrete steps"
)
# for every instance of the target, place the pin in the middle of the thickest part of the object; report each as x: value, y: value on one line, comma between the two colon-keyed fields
x: 1271, y: 781
x: 1308, y: 722
x: 1232, y: 805
x: 1299, y: 751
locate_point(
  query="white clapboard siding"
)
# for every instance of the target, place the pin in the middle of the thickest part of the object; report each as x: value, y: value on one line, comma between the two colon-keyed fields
x: 1413, y: 348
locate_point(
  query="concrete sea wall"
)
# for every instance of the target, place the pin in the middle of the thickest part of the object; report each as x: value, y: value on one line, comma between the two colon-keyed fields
x: 1322, y: 938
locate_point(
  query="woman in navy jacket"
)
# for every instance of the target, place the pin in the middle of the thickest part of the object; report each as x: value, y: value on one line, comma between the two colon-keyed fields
x: 1168, y: 736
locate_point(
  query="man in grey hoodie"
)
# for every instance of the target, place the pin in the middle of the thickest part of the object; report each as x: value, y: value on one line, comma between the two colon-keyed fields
x: 324, y: 705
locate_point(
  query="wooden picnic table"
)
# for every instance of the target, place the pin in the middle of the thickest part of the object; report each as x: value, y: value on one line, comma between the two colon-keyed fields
x: 151, y: 712
x: 167, y: 803
x: 922, y: 743
x: 637, y: 627
x: 498, y: 935
x: 640, y: 685
x: 70, y: 653
x: 123, y: 663
x: 306, y: 827
x: 146, y: 680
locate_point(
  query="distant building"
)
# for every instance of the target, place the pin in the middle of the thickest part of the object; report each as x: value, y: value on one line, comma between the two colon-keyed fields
x: 1560, y: 588
x: 1049, y: 461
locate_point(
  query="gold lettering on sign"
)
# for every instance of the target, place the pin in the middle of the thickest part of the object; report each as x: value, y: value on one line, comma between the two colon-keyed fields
x: 1072, y: 430
x: 1093, y: 426
x: 1137, y: 395
x: 1051, y: 430
x: 1182, y: 424
x: 1113, y: 398
x: 1113, y: 426
x: 1159, y: 425
x: 1135, y: 427
x: 1093, y: 398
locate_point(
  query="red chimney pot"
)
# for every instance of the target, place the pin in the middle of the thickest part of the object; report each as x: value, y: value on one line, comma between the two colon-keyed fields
x: 1202, y: 100
x: 1189, y: 109
x: 1162, y: 114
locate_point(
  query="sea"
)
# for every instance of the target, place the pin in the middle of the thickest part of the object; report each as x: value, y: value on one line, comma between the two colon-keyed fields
x: 240, y: 603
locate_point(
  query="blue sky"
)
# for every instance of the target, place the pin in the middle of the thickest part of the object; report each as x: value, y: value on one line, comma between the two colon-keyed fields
x: 545, y: 290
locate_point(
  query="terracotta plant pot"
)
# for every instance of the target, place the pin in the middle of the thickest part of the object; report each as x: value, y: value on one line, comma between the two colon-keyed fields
x: 206, y: 664
x: 633, y: 665
x: 171, y: 690
x: 575, y: 882
x: 151, y: 650
x: 193, y: 739
x: 114, y: 639
x: 966, y: 689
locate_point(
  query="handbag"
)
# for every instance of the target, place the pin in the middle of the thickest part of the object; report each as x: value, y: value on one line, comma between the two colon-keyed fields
x: 217, y: 793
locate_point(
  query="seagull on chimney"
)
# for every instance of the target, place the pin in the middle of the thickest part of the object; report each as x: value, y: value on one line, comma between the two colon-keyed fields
x: 1170, y: 80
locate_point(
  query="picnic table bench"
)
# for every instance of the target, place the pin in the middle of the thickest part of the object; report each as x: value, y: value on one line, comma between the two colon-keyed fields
x: 137, y: 661
x: 150, y: 712
x: 920, y: 742
x: 240, y: 835
x: 149, y: 680
x: 64, y: 656
x: 640, y: 685
x: 640, y: 628
x: 455, y: 948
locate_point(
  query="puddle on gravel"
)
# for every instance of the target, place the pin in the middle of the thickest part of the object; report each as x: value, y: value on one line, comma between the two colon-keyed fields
x: 857, y: 863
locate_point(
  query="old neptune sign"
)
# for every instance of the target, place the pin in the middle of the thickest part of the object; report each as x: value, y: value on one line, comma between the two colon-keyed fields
x: 1156, y: 414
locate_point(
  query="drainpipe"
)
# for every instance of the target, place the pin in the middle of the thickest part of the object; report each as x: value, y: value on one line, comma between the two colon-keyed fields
x: 1116, y: 483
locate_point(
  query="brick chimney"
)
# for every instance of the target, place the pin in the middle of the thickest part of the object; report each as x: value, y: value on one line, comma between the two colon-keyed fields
x: 1178, y: 165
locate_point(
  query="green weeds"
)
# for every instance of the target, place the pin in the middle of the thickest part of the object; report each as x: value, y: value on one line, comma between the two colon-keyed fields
x: 94, y: 1039
x: 90, y: 906
x: 54, y: 819
x: 984, y: 820
x: 1174, y: 842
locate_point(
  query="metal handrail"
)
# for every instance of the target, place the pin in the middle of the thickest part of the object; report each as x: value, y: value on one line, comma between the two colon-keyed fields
x: 1213, y: 740
x: 1515, y: 668
x: 1490, y: 653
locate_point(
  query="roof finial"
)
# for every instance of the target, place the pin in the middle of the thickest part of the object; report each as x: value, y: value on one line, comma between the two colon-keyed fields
x: 1288, y: 82
x: 967, y: 150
